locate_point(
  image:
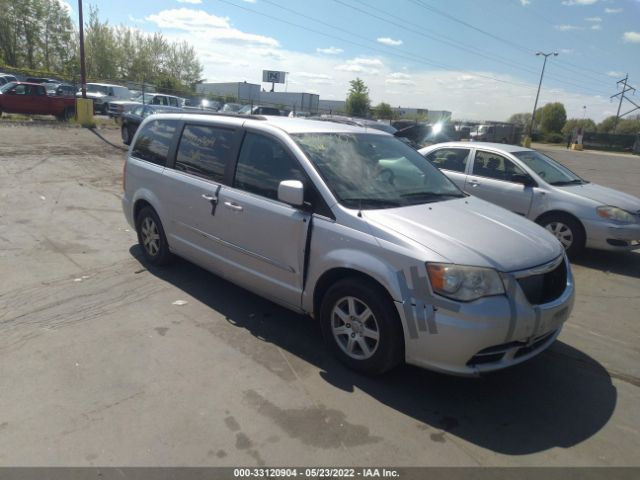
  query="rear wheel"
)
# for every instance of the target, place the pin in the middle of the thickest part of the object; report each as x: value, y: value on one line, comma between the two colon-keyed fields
x: 126, y: 134
x: 567, y: 229
x: 361, y: 326
x: 151, y: 237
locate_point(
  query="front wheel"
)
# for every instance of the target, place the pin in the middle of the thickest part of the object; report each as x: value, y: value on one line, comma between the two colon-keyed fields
x: 361, y: 326
x: 567, y: 230
x: 151, y: 237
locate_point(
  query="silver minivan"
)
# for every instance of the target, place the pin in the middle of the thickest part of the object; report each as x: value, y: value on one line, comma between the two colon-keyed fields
x: 354, y: 228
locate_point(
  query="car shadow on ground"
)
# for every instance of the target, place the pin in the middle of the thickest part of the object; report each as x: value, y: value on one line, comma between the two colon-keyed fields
x: 620, y: 263
x: 559, y: 399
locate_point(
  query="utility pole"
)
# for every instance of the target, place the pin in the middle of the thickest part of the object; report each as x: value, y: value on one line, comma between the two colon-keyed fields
x: 535, y: 105
x: 83, y: 73
x: 625, y: 88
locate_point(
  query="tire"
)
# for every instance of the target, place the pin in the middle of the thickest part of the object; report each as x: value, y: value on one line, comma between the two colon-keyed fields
x: 371, y: 344
x: 68, y: 114
x: 151, y: 237
x: 126, y: 135
x: 567, y: 229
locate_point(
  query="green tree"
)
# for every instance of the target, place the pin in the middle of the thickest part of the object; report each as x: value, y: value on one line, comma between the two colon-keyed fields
x: 383, y: 111
x: 586, y: 124
x: 551, y: 118
x: 628, y: 126
x: 521, y: 119
x: 358, y: 103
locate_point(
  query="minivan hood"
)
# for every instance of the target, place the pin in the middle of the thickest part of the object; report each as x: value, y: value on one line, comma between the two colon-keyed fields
x: 604, y: 196
x: 470, y: 231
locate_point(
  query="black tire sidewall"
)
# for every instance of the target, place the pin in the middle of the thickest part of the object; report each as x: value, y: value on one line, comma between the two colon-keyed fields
x: 163, y: 255
x: 124, y: 129
x: 390, y: 349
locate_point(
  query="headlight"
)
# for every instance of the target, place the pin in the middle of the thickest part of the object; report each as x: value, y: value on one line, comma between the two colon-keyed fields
x: 464, y: 283
x: 615, y: 213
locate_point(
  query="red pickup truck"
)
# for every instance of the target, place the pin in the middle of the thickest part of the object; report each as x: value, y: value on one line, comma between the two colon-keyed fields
x: 32, y: 99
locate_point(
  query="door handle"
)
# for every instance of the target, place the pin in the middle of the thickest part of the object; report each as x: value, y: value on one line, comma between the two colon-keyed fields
x: 208, y: 197
x: 474, y: 183
x: 212, y: 199
x: 233, y: 206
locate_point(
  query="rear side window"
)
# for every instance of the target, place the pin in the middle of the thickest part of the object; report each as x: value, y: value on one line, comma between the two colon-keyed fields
x: 263, y: 164
x: 450, y: 158
x: 204, y: 151
x: 493, y: 165
x: 154, y: 140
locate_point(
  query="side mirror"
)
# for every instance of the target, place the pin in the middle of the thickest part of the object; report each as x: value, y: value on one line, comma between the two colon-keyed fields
x: 524, y: 179
x: 291, y: 192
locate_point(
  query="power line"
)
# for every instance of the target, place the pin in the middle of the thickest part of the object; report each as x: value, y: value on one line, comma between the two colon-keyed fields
x: 412, y: 58
x: 506, y: 41
x: 456, y: 44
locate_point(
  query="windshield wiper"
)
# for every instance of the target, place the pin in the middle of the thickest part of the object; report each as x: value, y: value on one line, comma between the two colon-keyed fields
x: 560, y: 183
x: 431, y: 196
x: 370, y: 202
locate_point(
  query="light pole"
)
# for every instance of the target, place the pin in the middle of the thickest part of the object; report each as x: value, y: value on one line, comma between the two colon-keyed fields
x: 584, y: 112
x: 535, y: 105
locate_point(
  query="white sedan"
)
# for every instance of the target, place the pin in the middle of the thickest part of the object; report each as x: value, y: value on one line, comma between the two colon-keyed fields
x: 579, y: 213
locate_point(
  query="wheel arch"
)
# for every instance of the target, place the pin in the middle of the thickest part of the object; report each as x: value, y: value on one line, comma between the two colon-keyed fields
x: 559, y: 212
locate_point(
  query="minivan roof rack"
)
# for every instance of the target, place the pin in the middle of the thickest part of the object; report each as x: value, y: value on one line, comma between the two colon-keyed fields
x: 197, y: 111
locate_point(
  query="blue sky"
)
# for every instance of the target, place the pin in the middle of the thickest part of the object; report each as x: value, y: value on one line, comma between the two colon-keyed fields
x: 473, y: 57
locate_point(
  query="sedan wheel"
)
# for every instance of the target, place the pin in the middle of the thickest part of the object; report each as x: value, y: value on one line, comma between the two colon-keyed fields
x: 562, y: 232
x: 567, y: 229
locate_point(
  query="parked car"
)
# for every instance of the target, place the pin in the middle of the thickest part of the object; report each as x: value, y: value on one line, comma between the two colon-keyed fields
x: 579, y: 213
x: 354, y: 228
x: 132, y: 120
x: 496, y: 132
x: 103, y: 93
x: 66, y: 90
x: 259, y: 110
x: 41, y: 80
x: 118, y: 108
x: 6, y: 78
x: 32, y: 98
x: 231, y: 107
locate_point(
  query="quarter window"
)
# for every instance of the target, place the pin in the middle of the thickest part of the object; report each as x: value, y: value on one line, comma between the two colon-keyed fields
x: 204, y: 151
x: 450, y: 158
x: 263, y: 164
x: 154, y: 140
x: 493, y: 165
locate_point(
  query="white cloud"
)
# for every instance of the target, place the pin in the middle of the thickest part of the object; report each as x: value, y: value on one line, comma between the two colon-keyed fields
x: 613, y: 73
x: 597, y: 26
x: 612, y: 10
x: 210, y: 27
x: 566, y: 51
x: 133, y: 19
x: 525, y: 2
x: 190, y: 1
x: 566, y: 28
x: 578, y: 2
x: 631, y: 37
x: 250, y: 1
x: 187, y: 19
x: 593, y: 19
x: 389, y: 41
x: 330, y: 50
x: 329, y: 76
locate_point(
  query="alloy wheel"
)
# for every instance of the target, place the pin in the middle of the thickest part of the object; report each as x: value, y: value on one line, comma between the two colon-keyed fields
x: 355, y: 328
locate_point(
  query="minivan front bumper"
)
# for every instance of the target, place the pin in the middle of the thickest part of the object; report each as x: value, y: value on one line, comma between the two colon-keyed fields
x: 488, y: 334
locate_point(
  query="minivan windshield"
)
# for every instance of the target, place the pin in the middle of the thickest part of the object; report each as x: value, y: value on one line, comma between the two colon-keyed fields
x: 370, y: 171
x: 548, y: 169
